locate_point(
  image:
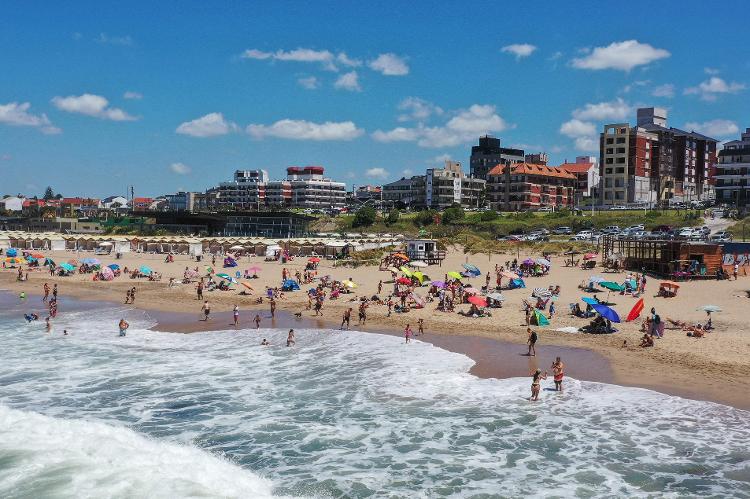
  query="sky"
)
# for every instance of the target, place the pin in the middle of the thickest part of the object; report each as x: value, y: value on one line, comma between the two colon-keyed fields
x: 168, y: 96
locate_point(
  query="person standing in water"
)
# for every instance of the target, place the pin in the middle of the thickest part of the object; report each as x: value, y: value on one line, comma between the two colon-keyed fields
x: 536, y: 378
x: 206, y: 309
x: 290, y: 342
x: 532, y: 342
x: 420, y: 327
x: 558, y: 373
x: 123, y: 326
x: 54, y: 292
x: 273, y: 308
x: 46, y: 293
x: 346, y: 319
x: 256, y: 320
x: 407, y: 334
x: 236, y: 315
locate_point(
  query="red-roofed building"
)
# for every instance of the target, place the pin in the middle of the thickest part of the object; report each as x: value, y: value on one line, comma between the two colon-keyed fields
x: 142, y: 204
x: 527, y: 186
x: 586, y: 170
x: 74, y: 206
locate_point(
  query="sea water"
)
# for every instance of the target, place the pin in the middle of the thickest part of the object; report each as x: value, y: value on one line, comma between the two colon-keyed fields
x: 341, y: 414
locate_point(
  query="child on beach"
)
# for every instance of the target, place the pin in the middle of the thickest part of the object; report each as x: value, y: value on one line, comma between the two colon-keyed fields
x: 290, y: 342
x: 123, y: 326
x: 236, y: 314
x: 536, y: 377
x: 558, y: 374
x: 407, y: 333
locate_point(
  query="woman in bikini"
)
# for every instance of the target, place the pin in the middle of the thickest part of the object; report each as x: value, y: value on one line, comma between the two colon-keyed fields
x: 558, y: 373
x: 536, y: 377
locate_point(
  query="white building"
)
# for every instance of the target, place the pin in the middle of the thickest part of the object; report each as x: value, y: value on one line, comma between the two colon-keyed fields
x: 12, y: 203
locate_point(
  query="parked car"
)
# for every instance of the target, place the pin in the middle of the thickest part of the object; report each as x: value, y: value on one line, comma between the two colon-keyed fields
x: 722, y: 237
x: 665, y: 229
x: 636, y: 227
x: 563, y: 230
x: 618, y: 207
x: 583, y: 235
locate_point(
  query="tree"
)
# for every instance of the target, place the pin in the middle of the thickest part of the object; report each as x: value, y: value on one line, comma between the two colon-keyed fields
x: 364, y: 217
x: 48, y: 194
x: 393, y: 216
x: 453, y: 214
x: 424, y: 218
x: 488, y: 216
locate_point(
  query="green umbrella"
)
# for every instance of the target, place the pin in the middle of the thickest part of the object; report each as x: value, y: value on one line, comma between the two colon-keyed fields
x: 223, y: 276
x: 612, y: 286
x: 67, y: 267
x: 455, y: 275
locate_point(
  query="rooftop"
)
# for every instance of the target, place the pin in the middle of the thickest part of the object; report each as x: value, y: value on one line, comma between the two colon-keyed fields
x: 532, y: 169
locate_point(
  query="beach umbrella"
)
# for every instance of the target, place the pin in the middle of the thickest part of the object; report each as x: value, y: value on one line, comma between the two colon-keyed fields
x: 417, y: 299
x: 478, y: 301
x: 228, y: 278
x: 36, y: 256
x: 237, y: 247
x: 710, y: 308
x: 68, y: 267
x: 254, y: 269
x: 438, y: 284
x: 496, y: 296
x: 455, y: 275
x: 145, y: 270
x: 49, y: 261
x: 472, y: 291
x: 73, y: 262
x: 541, y: 292
x: 403, y: 280
x: 313, y: 259
x: 12, y: 252
x: 90, y: 261
x: 418, y: 263
x: 591, y: 256
x: 406, y: 271
x: 247, y: 286
x: 15, y: 259
x: 590, y: 301
x: 114, y: 266
x: 472, y: 268
x: 419, y: 276
x: 223, y: 276
x: 543, y: 261
x: 350, y: 284
x: 606, y: 312
x: 528, y: 261
x: 635, y: 311
x: 509, y: 275
x: 612, y: 286
x: 596, y: 279
x: 107, y: 274
x: 401, y: 256
x: 541, y: 320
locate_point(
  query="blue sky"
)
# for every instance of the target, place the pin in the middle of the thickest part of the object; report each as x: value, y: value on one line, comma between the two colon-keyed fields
x: 177, y: 95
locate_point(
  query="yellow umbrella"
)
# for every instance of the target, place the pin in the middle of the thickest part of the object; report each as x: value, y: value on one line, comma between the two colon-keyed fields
x: 406, y: 271
x: 419, y: 276
x: 349, y: 284
x: 455, y: 275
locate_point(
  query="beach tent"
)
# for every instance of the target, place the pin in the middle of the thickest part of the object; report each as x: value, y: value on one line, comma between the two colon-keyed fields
x: 48, y: 261
x: 517, y: 283
x: 67, y: 267
x: 290, y: 285
x: 229, y: 262
x: 145, y: 270
x: 272, y: 250
x: 540, y: 319
x: 11, y: 252
x: 107, y: 274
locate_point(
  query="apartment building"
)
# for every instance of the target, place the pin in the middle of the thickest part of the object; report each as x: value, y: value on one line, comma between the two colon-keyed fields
x: 311, y: 189
x: 733, y: 173
x: 586, y: 170
x: 489, y: 154
x: 625, y: 170
x: 405, y: 192
x: 438, y: 189
x: 527, y: 186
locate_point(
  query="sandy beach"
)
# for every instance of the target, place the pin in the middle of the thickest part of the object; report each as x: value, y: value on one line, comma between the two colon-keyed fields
x: 713, y: 368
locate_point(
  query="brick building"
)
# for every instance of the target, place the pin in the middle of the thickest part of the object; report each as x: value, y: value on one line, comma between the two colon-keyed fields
x: 526, y: 186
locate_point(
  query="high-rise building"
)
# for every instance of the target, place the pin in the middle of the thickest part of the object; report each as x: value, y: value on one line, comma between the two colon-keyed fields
x: 625, y: 169
x: 537, y: 158
x: 438, y: 189
x: 733, y: 173
x: 489, y: 154
x: 245, y: 191
x: 311, y: 189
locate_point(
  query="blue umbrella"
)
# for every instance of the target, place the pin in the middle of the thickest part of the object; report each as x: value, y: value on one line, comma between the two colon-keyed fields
x: 590, y: 301
x: 90, y: 261
x: 473, y: 269
x: 12, y: 252
x: 67, y: 267
x: 145, y: 270
x: 114, y: 266
x: 606, y: 312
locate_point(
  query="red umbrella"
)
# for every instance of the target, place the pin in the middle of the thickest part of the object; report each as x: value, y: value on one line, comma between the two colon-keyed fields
x: 591, y: 256
x: 314, y: 259
x: 636, y: 311
x: 403, y: 280
x: 478, y: 301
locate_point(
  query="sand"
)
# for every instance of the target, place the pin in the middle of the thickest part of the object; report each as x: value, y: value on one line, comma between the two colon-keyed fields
x: 715, y: 367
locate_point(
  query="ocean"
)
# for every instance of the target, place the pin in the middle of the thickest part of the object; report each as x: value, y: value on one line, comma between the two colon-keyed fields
x: 341, y: 414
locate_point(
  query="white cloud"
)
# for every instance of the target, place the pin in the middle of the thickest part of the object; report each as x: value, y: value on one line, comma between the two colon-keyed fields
x: 17, y: 114
x: 711, y: 71
x: 180, y: 168
x: 617, y: 109
x: 132, y: 95
x: 306, y: 130
x: 348, y: 81
x: 622, y: 56
x: 441, y: 158
x: 91, y: 105
x: 328, y: 59
x: 106, y: 39
x: 714, y: 128
x: 587, y: 144
x: 210, y: 125
x: 464, y: 126
x: 390, y: 65
x: 380, y: 173
x: 416, y: 109
x: 407, y: 172
x: 520, y: 50
x: 709, y: 89
x: 308, y: 82
x: 666, y: 90
x: 577, y: 128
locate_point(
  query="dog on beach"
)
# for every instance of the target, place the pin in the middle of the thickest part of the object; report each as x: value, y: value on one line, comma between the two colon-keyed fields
x: 298, y: 315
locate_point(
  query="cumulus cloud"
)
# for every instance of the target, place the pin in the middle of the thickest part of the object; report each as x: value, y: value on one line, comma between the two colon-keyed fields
x: 326, y: 58
x: 714, y: 128
x: 416, y: 109
x: 306, y: 130
x: 711, y: 71
x: 617, y: 109
x: 380, y: 173
x: 709, y: 89
x: 666, y: 90
x: 180, y: 168
x: 582, y: 128
x: 132, y: 95
x: 91, y: 105
x: 348, y: 81
x: 308, y: 82
x: 622, y: 56
x: 577, y: 128
x: 441, y: 158
x: 17, y: 114
x: 520, y: 50
x: 210, y: 125
x: 464, y: 126
x: 390, y: 65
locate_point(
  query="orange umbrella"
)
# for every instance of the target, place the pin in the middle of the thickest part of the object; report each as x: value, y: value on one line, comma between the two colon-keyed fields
x: 247, y: 286
x: 401, y: 256
x: 669, y: 284
x: 38, y: 256
x: 477, y: 300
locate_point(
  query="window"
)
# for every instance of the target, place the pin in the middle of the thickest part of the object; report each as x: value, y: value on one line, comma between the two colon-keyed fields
x: 620, y: 170
x: 620, y: 140
x: 610, y: 150
x: 620, y: 150
x: 607, y: 182
x: 610, y: 141
x: 609, y: 161
x: 608, y: 171
x: 620, y: 160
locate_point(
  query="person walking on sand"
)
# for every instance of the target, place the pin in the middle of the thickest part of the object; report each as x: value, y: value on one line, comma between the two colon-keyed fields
x: 407, y: 334
x: 380, y: 286
x: 206, y: 309
x: 536, y: 378
x: 558, y: 373
x: 346, y: 319
x: 46, y: 293
x: 199, y: 289
x: 123, y: 326
x: 362, y: 312
x: 532, y: 342
x: 127, y: 296
x: 551, y: 309
x: 290, y: 341
x: 236, y: 315
x: 318, y: 306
